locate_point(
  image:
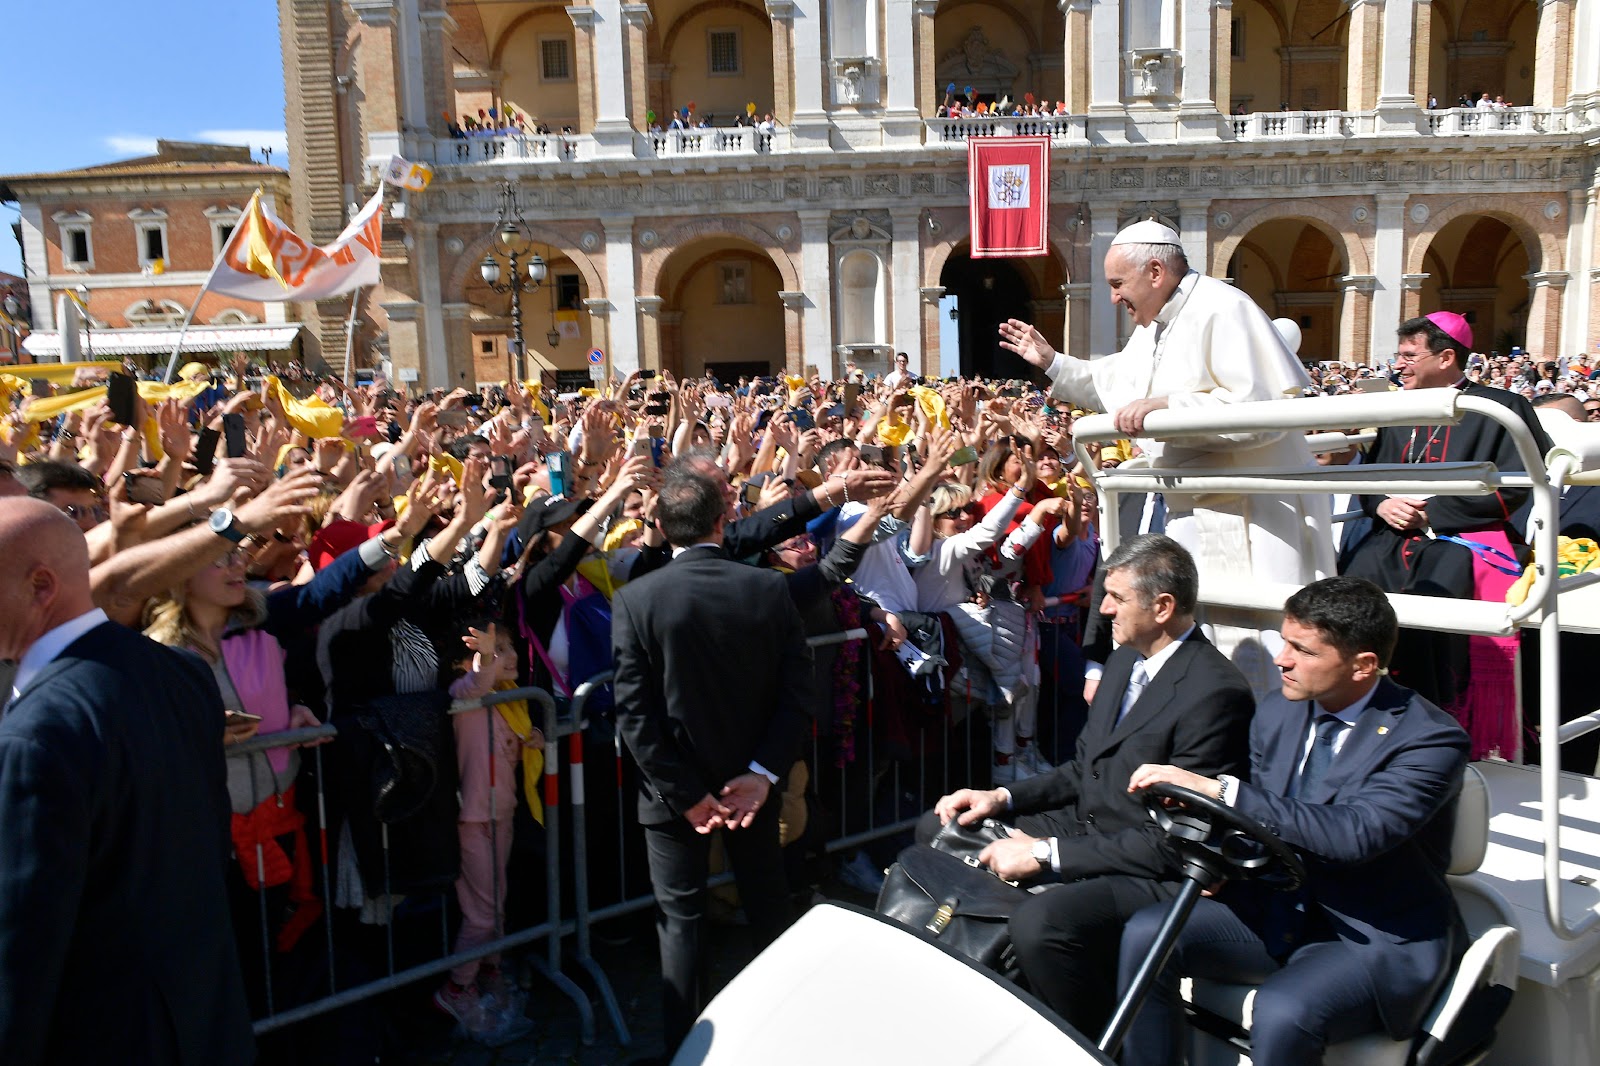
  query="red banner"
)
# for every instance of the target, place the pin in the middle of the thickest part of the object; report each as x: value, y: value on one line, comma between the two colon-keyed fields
x: 1008, y: 182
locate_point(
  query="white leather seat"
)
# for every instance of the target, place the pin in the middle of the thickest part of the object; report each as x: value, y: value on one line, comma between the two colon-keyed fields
x: 1490, y: 960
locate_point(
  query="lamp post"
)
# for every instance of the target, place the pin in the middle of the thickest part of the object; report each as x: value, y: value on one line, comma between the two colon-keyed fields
x: 511, y: 234
x: 13, y: 308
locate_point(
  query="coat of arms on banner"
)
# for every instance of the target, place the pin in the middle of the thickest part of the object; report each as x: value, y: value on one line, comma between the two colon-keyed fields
x: 1009, y: 186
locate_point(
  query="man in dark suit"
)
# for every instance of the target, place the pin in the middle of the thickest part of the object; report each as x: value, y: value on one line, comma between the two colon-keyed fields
x: 1361, y: 776
x: 1166, y: 695
x: 115, y: 939
x: 713, y: 681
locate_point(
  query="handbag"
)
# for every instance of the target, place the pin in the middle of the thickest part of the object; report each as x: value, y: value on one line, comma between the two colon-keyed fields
x: 946, y: 895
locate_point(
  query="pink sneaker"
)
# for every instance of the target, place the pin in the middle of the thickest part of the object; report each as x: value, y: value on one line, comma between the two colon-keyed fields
x: 465, y: 1004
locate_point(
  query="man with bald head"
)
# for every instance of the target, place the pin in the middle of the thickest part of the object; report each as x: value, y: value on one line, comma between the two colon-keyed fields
x: 1201, y: 343
x: 115, y: 938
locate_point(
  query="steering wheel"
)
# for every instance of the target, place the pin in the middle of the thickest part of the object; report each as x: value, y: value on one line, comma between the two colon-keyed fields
x: 1218, y: 843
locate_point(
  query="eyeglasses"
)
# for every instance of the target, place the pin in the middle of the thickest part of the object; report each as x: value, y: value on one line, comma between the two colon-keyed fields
x: 236, y: 557
x: 955, y: 513
x: 77, y: 513
x: 1402, y: 357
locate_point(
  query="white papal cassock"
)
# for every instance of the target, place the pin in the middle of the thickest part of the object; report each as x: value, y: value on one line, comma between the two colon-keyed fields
x: 1209, y: 346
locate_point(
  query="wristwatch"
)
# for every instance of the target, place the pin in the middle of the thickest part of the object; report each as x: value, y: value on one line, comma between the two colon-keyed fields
x: 1041, y: 853
x: 223, y: 525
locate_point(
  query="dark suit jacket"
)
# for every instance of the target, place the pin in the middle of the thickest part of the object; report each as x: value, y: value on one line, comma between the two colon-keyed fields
x: 712, y: 672
x: 115, y: 939
x: 1375, y: 835
x: 1195, y: 714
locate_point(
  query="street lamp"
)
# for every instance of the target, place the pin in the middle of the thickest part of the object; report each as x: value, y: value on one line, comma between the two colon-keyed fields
x: 13, y: 308
x: 511, y: 234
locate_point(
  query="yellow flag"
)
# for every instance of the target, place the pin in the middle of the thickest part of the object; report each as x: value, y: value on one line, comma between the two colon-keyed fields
x: 894, y: 431
x: 44, y: 409
x: 447, y: 465
x: 932, y: 405
x: 258, y: 257
x: 309, y: 416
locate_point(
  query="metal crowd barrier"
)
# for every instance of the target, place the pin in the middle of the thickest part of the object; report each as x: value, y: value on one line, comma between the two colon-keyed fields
x: 554, y: 927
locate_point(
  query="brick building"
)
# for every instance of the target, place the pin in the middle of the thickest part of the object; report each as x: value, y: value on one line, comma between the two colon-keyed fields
x: 1289, y: 141
x: 136, y: 239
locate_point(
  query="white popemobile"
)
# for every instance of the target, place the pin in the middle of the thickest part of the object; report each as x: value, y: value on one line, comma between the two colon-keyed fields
x: 1525, y: 866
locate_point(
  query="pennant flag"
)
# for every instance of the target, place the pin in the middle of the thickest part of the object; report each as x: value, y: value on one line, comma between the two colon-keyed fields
x: 567, y: 325
x: 1008, y: 182
x: 266, y: 260
x: 407, y: 175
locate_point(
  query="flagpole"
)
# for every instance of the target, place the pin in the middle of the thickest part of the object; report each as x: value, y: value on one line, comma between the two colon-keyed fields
x: 183, y: 331
x: 350, y: 332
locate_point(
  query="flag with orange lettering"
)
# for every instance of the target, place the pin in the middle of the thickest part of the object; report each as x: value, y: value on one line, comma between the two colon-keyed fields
x: 266, y: 260
x: 1008, y: 185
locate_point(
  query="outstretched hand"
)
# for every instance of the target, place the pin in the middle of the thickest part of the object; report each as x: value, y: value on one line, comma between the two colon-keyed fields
x: 1026, y: 340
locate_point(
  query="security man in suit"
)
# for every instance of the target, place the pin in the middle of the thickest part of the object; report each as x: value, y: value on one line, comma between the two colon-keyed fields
x: 1167, y: 694
x: 713, y: 683
x: 1361, y: 776
x: 115, y: 939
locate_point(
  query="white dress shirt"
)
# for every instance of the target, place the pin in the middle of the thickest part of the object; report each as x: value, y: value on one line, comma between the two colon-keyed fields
x: 1347, y: 720
x: 49, y: 647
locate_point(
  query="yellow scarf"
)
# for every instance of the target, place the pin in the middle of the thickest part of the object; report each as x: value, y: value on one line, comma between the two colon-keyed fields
x: 309, y: 416
x: 516, y: 715
x: 932, y: 405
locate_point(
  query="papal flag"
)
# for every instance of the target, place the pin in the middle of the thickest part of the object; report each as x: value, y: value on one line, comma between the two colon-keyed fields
x: 266, y: 260
x: 1008, y: 185
x: 406, y: 174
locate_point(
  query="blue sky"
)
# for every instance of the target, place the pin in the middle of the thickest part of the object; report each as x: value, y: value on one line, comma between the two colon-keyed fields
x: 94, y: 81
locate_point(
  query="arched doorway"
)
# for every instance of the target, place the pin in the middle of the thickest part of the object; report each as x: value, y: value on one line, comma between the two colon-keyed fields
x: 720, y: 310
x: 987, y: 292
x: 1475, y: 266
x: 1291, y: 269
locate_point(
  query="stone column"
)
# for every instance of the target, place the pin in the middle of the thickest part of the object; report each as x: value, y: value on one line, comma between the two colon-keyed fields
x: 905, y: 271
x: 1585, y: 87
x: 931, y: 295
x: 440, y: 365
x: 613, y: 133
x: 782, y: 14
x: 1552, y: 59
x: 439, y: 90
x: 816, y: 279
x: 1583, y: 206
x: 1410, y: 297
x: 380, y: 107
x: 671, y: 328
x: 1075, y: 333
x: 1107, y: 115
x: 1362, y: 56
x: 793, y: 319
x: 930, y: 94
x: 456, y: 325
x: 1222, y: 58
x: 809, y: 129
x: 1388, y: 262
x: 1197, y: 111
x: 1396, y: 92
x: 621, y: 288
x: 583, y: 46
x: 599, y: 309
x: 1194, y: 217
x: 651, y: 355
x: 405, y: 344
x: 410, y: 71
x: 1421, y: 50
x: 1102, y: 315
x: 1075, y: 61
x: 636, y: 20
x: 902, y: 122
x: 1545, y: 288
x: 1355, y: 315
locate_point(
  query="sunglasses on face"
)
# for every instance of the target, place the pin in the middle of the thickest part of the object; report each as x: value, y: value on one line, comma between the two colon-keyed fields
x: 970, y: 509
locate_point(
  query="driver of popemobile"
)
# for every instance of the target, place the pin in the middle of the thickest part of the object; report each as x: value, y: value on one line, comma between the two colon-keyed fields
x: 1361, y: 777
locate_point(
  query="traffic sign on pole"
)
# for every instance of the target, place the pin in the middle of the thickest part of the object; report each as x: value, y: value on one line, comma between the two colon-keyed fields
x: 596, y: 357
x: 597, y: 373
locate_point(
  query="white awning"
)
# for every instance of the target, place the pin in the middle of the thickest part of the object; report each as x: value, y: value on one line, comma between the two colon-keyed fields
x: 199, y: 339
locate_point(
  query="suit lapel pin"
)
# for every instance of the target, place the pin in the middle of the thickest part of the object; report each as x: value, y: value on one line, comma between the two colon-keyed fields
x: 1382, y: 729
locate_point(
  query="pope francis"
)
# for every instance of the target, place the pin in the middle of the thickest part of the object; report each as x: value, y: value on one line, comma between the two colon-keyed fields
x: 1199, y: 342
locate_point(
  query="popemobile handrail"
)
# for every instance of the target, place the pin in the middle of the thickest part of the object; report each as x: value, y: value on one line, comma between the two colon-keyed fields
x: 1405, y: 408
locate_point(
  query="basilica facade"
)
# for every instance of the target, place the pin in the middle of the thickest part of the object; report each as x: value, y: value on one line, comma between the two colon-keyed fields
x: 757, y: 185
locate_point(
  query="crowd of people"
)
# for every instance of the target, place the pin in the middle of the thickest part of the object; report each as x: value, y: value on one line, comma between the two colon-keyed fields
x: 314, y: 553
x: 970, y: 104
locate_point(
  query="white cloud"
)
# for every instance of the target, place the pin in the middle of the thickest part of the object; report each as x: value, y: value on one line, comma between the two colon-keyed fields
x: 277, y: 140
x: 131, y: 145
